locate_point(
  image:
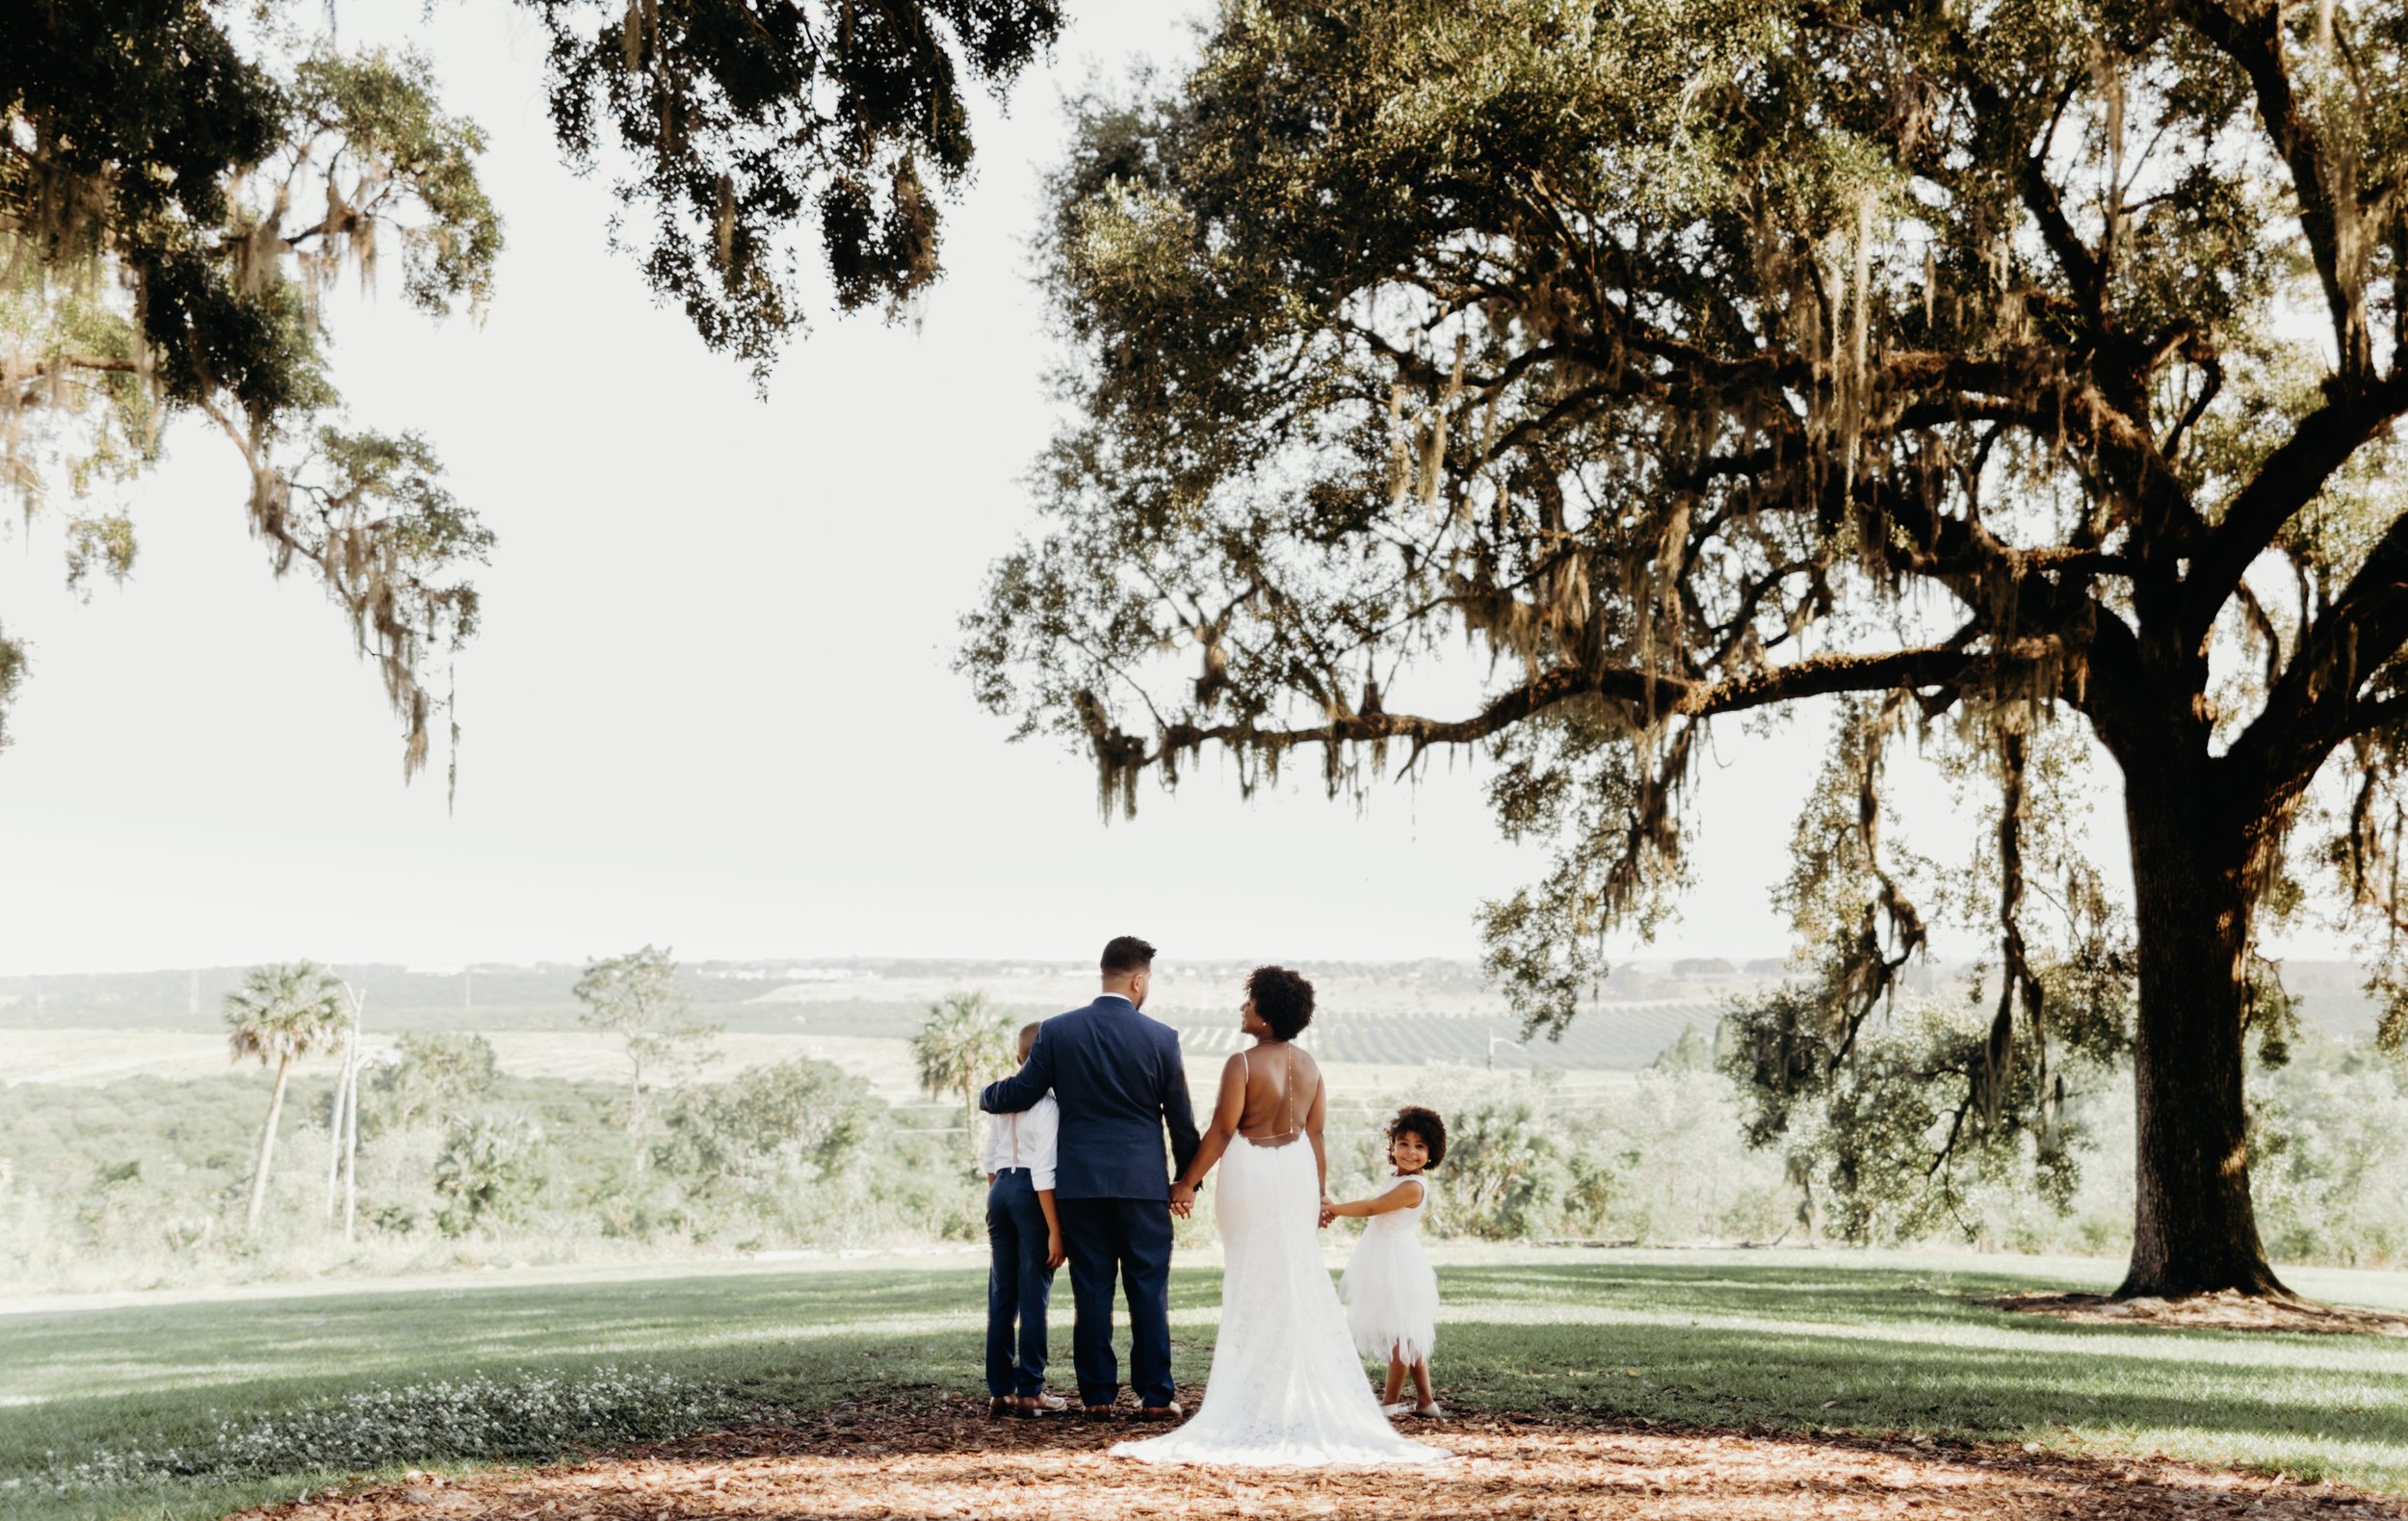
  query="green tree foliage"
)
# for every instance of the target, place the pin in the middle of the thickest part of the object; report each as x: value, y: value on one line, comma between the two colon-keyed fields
x: 1894, y: 1119
x: 1504, y: 1172
x: 12, y: 675
x: 1690, y: 1052
x: 487, y: 1172
x: 2327, y: 1128
x: 185, y: 179
x: 2008, y: 370
x: 743, y: 122
x: 638, y: 1000
x: 432, y: 1073
x: 963, y: 1046
x: 143, y: 1180
x: 282, y: 1013
x: 769, y: 1126
x: 180, y: 193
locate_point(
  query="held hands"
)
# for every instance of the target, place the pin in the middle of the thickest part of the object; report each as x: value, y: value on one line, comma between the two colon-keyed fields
x: 1182, y: 1199
x: 1329, y: 1210
x: 1055, y: 1256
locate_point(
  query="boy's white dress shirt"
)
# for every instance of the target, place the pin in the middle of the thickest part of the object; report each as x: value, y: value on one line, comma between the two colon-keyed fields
x: 1026, y: 1139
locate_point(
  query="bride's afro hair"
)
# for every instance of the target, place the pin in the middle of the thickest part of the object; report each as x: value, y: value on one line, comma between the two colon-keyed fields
x: 1415, y: 1120
x: 1283, y: 998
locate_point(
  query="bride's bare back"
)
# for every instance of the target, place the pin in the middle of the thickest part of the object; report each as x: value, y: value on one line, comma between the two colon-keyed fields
x: 1271, y: 1095
x: 1283, y: 1093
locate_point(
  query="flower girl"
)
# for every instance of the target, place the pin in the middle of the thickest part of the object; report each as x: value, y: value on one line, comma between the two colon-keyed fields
x: 1391, y: 1292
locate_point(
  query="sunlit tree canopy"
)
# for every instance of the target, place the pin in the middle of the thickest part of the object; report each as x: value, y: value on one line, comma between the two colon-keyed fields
x: 1993, y: 368
x: 182, y: 182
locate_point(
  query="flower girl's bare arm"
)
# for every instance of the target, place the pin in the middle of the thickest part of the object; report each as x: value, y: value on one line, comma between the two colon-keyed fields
x: 1406, y: 1193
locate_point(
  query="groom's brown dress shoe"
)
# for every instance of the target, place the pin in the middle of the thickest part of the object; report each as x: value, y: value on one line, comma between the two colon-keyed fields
x: 1163, y: 1412
x: 999, y: 1406
x: 1096, y: 1412
x: 1039, y: 1404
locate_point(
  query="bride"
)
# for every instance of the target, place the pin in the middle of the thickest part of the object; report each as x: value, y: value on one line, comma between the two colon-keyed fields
x: 1286, y: 1389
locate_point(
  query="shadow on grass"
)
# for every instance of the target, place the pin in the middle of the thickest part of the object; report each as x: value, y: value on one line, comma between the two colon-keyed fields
x: 1882, y: 1351
x: 1784, y: 1346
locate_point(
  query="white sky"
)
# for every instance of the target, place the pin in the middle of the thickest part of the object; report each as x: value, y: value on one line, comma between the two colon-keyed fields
x: 711, y: 705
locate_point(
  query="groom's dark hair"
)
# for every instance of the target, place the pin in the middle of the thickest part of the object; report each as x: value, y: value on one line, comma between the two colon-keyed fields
x: 1124, y: 954
x: 1283, y: 998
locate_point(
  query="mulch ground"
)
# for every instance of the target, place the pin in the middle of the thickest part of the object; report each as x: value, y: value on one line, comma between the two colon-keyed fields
x: 2219, y: 1312
x: 863, y: 1462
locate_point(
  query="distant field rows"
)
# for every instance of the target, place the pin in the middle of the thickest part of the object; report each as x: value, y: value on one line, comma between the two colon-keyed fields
x: 1383, y: 1012
x: 101, y: 1056
x: 870, y: 1040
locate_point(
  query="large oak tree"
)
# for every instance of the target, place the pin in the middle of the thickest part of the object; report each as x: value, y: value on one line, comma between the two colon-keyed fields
x: 1986, y: 367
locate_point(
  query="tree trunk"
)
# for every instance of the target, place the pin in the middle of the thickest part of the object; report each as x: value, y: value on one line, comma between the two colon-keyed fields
x: 335, y: 1143
x: 267, y: 1149
x: 334, y: 1120
x: 351, y: 1064
x: 634, y: 1117
x: 2194, y: 1229
x: 350, y: 1156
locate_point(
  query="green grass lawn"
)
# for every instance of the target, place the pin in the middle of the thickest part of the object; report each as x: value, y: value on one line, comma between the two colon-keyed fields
x: 272, y: 1394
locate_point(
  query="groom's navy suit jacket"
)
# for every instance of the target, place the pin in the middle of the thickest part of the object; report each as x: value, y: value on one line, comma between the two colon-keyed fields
x: 1118, y: 1079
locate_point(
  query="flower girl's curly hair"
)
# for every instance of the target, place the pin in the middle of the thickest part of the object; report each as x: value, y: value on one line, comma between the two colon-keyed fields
x: 1415, y: 1120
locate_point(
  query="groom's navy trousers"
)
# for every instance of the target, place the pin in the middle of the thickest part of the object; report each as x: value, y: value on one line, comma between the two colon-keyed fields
x: 1121, y: 1087
x: 1129, y: 1239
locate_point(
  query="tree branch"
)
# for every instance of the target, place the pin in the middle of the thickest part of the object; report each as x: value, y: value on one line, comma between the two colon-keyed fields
x: 1657, y: 696
x: 2312, y: 708
x: 2368, y: 716
x: 2251, y: 36
x: 2290, y: 479
x: 86, y: 362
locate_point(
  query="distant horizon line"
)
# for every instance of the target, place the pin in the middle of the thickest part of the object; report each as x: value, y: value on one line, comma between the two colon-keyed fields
x: 767, y: 967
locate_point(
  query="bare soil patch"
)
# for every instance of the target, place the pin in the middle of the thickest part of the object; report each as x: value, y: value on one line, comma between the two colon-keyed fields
x: 863, y: 1462
x: 2214, y: 1312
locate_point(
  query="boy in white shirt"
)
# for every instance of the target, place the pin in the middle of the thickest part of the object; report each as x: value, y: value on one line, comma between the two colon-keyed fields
x: 1025, y: 1236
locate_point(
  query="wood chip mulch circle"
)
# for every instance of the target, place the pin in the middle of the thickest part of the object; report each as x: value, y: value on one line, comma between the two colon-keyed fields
x: 875, y: 1463
x: 2219, y: 1312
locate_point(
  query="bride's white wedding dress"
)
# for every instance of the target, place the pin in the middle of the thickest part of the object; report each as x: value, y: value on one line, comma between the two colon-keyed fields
x: 1286, y: 1389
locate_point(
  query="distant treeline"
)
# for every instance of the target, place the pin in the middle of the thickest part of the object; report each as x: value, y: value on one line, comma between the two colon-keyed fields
x: 490, y: 998
x: 538, y: 997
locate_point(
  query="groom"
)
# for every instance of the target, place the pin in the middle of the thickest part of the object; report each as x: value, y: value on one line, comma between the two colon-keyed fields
x: 1118, y: 1079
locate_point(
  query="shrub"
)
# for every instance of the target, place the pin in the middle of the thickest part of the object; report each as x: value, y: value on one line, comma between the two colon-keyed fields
x: 527, y: 1415
x: 487, y: 1171
x: 432, y: 1073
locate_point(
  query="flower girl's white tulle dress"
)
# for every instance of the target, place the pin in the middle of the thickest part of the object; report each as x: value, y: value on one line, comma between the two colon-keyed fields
x: 1389, y: 1289
x: 1286, y: 1389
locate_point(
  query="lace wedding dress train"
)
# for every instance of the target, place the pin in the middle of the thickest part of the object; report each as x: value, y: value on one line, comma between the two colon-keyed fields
x: 1286, y: 1389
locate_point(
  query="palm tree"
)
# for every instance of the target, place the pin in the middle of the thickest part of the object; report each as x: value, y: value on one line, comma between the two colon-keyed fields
x: 963, y: 1046
x: 279, y: 1013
